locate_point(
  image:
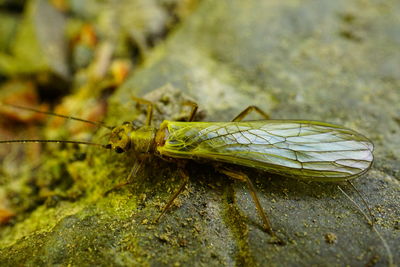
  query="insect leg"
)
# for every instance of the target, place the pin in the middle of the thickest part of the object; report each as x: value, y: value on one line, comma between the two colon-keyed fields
x: 243, y: 177
x: 194, y: 109
x: 134, y: 170
x: 247, y: 111
x: 185, y: 177
x: 149, y: 108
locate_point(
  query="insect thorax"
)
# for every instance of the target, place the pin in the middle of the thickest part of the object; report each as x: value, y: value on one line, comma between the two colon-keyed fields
x: 128, y: 137
x: 142, y: 139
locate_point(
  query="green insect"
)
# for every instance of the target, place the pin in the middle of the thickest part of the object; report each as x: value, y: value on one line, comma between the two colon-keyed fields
x: 307, y: 150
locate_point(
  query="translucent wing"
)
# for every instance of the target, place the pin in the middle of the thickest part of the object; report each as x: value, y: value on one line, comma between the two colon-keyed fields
x: 304, y: 149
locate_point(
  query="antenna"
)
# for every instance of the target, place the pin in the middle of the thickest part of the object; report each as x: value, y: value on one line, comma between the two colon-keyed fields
x: 97, y: 123
x: 51, y: 141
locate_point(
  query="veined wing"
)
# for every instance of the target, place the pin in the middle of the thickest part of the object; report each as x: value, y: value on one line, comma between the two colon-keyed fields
x: 304, y: 149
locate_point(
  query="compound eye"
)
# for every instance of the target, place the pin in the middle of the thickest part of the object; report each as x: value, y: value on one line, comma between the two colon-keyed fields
x: 108, y: 146
x: 119, y: 150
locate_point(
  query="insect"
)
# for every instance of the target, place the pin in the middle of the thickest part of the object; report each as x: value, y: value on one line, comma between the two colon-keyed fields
x: 308, y: 150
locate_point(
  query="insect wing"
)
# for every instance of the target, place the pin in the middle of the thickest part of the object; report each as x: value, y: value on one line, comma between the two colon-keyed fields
x: 304, y: 149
